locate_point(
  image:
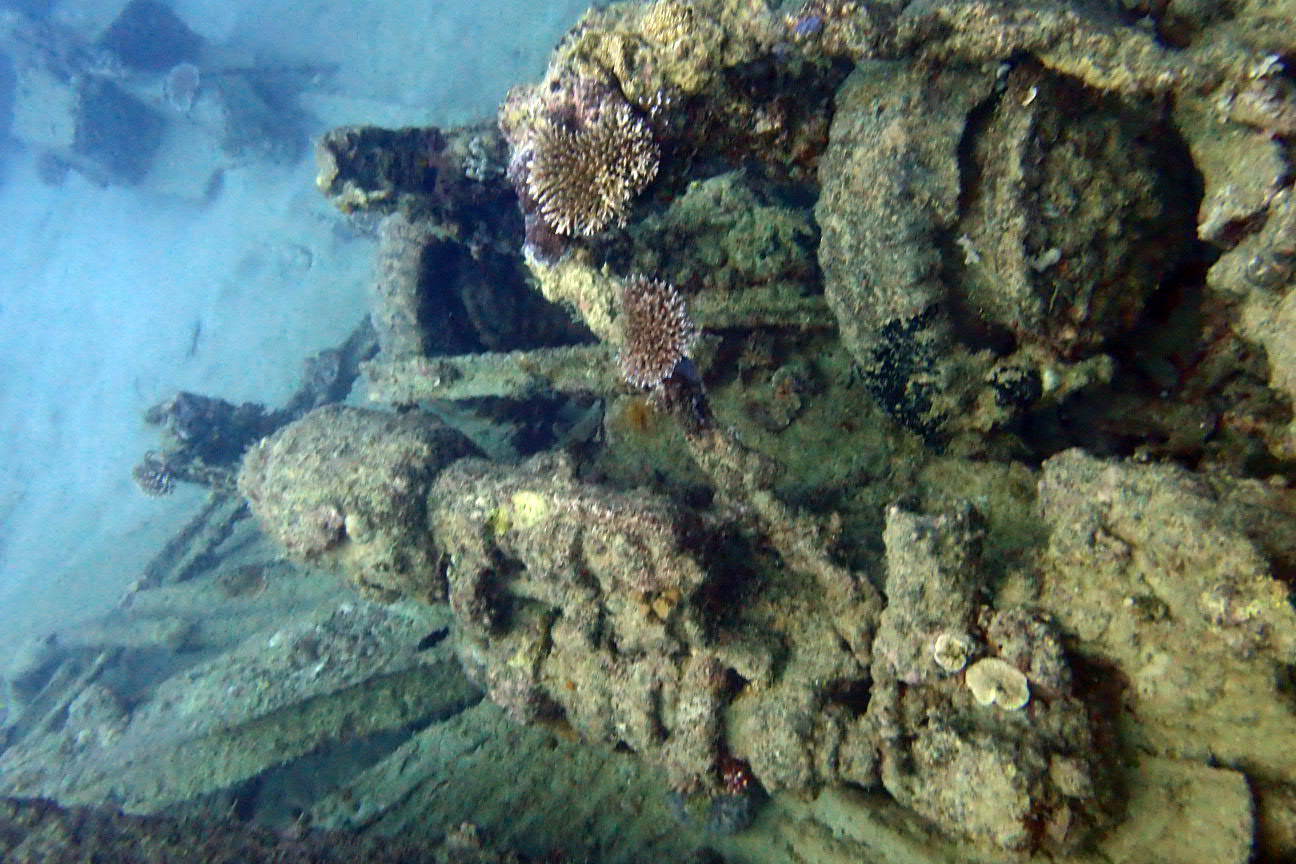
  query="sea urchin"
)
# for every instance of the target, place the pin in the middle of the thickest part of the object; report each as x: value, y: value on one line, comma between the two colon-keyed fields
x: 583, y: 175
x: 657, y: 331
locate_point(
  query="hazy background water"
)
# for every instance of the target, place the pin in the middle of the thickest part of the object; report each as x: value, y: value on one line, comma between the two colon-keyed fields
x: 114, y: 296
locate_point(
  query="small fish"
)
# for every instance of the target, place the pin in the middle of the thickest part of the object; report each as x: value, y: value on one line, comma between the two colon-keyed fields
x: 195, y: 334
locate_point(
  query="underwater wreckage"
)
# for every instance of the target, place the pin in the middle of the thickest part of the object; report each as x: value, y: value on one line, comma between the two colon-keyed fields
x: 902, y: 397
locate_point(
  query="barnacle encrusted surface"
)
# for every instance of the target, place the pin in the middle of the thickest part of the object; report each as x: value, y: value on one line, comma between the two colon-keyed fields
x: 1008, y: 282
x: 350, y: 485
x: 656, y: 328
x: 584, y: 175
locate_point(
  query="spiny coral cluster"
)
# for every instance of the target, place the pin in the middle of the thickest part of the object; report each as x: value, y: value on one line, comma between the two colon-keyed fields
x: 585, y: 171
x: 657, y: 331
x: 153, y: 476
